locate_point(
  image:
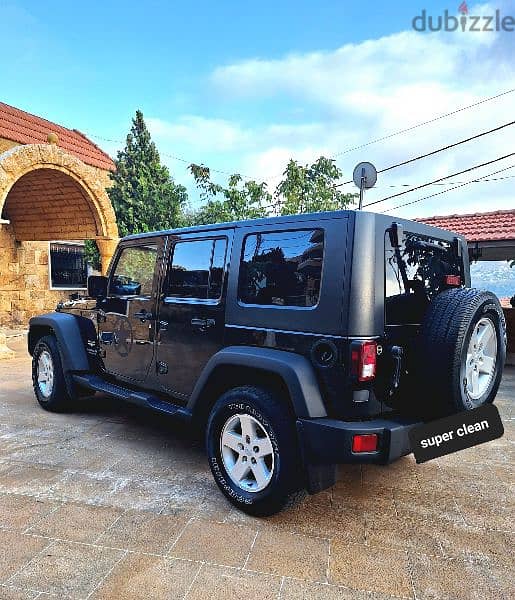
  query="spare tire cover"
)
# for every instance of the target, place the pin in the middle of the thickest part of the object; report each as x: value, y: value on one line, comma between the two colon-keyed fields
x: 461, y: 351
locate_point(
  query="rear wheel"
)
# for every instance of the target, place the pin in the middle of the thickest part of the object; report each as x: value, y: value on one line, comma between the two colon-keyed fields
x: 253, y: 451
x: 462, y: 350
x: 47, y: 375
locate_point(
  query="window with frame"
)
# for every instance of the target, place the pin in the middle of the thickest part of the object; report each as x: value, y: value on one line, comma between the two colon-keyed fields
x: 197, y: 269
x: 282, y: 268
x: 68, y: 269
x: 134, y: 271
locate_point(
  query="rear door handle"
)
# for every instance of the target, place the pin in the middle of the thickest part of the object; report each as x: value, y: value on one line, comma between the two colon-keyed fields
x: 202, y: 323
x: 143, y: 315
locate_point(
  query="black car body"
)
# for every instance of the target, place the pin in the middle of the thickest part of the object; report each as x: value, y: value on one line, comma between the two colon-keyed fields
x: 325, y: 310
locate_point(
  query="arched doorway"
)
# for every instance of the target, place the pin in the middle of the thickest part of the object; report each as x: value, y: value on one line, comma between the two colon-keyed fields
x: 46, y: 194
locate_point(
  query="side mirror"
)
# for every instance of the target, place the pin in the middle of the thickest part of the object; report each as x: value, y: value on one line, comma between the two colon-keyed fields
x: 97, y: 286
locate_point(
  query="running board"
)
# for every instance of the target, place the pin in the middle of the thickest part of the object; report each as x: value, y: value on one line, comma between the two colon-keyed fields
x: 97, y: 384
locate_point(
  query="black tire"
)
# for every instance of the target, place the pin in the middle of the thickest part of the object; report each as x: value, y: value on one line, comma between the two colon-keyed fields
x: 445, y: 335
x: 57, y: 400
x: 286, y: 486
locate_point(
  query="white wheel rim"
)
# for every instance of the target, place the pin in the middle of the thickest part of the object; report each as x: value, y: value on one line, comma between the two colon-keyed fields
x: 481, y: 359
x: 247, y: 453
x: 45, y: 374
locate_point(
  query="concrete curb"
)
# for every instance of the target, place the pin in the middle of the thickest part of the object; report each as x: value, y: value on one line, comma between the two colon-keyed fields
x: 5, y: 352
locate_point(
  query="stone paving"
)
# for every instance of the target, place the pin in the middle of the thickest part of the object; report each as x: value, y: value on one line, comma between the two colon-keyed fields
x: 111, y: 502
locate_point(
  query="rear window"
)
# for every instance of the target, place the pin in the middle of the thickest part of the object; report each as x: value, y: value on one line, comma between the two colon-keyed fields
x: 282, y: 268
x: 415, y: 273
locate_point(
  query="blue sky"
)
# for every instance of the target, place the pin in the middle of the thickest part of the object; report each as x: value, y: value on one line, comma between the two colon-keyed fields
x: 243, y: 86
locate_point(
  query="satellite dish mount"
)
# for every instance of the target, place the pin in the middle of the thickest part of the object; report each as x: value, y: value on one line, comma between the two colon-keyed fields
x: 364, y: 177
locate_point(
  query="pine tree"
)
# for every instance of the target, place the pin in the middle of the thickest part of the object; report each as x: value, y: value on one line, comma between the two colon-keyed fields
x: 144, y: 195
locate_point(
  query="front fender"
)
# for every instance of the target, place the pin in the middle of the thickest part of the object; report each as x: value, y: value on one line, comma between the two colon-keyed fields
x: 296, y: 371
x: 66, y: 330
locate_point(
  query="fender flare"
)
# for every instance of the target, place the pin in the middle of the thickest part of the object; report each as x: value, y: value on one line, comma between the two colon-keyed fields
x: 296, y: 371
x: 66, y: 330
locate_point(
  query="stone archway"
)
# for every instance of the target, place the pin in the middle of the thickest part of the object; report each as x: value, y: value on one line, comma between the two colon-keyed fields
x: 48, y: 194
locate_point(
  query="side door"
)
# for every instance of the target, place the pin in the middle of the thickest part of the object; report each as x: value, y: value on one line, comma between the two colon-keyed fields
x: 191, y: 312
x: 127, y: 321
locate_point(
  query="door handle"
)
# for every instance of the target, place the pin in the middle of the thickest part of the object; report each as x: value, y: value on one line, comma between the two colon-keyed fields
x: 202, y: 323
x: 143, y: 315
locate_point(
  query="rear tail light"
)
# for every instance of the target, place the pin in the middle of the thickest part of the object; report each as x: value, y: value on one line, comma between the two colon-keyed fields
x: 365, y: 442
x: 453, y: 280
x: 364, y: 360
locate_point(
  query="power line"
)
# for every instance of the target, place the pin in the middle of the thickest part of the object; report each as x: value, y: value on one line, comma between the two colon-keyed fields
x: 397, y: 185
x: 445, y: 191
x: 410, y: 160
x: 418, y: 187
x: 449, y: 114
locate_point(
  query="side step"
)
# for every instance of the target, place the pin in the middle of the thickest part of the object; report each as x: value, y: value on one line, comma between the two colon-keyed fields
x: 97, y: 384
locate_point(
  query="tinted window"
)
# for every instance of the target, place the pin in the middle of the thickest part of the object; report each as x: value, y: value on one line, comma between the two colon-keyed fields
x: 67, y: 265
x: 197, y: 269
x: 415, y: 273
x: 134, y: 271
x: 282, y: 269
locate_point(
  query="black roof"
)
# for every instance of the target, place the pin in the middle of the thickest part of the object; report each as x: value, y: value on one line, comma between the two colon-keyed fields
x: 248, y: 223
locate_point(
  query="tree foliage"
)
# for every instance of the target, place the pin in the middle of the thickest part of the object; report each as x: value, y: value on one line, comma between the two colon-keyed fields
x: 311, y: 188
x: 92, y: 255
x: 144, y: 195
x: 238, y: 201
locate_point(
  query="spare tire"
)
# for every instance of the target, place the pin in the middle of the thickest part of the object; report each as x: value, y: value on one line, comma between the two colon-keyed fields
x: 461, y: 351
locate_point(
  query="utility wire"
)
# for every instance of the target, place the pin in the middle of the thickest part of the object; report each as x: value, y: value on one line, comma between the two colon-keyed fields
x: 410, y: 160
x: 418, y: 187
x: 449, y: 114
x: 446, y: 191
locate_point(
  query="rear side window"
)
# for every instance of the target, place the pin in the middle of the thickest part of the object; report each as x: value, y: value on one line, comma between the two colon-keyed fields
x: 415, y: 273
x: 282, y: 268
x: 197, y: 269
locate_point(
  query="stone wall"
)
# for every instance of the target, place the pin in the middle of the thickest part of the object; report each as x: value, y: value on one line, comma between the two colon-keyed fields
x: 24, y: 280
x: 45, y: 205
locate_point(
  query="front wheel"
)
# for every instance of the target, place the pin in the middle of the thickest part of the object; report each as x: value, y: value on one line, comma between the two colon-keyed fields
x: 253, y: 451
x: 48, y: 377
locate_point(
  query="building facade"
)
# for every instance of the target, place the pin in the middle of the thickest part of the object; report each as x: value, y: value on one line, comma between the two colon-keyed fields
x: 53, y: 196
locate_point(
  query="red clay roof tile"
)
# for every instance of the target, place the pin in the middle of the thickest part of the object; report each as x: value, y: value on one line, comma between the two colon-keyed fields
x: 478, y: 227
x: 24, y: 128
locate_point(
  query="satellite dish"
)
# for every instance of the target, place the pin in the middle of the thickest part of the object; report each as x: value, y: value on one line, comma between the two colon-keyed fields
x: 365, y: 175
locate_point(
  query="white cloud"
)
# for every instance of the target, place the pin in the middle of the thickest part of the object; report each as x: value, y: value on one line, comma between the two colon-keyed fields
x: 360, y: 92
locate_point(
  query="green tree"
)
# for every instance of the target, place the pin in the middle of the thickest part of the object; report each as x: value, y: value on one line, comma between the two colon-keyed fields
x: 311, y: 188
x: 144, y: 195
x: 238, y: 201
x: 92, y: 254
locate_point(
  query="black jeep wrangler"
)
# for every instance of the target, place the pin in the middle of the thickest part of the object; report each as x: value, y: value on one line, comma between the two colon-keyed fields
x: 295, y: 343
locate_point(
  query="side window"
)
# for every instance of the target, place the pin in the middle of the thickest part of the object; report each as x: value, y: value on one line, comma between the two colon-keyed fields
x: 197, y: 269
x: 134, y: 271
x: 282, y: 268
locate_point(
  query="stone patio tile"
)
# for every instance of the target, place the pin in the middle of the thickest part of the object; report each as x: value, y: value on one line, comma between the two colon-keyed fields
x: 85, y: 487
x: 215, y: 582
x: 403, y: 533
x: 296, y: 589
x: 320, y: 521
x: 220, y: 543
x: 468, y: 543
x: 140, y: 576
x: 12, y: 593
x: 455, y: 579
x: 370, y: 569
x: 290, y: 554
x: 478, y: 512
x: 20, y: 512
x: 76, y: 522
x: 145, y: 531
x: 434, y: 506
x: 398, y: 475
x: 67, y: 569
x: 22, y: 479
x: 16, y: 550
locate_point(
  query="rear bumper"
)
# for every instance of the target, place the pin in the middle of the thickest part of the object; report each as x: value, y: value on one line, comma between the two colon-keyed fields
x: 328, y: 441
